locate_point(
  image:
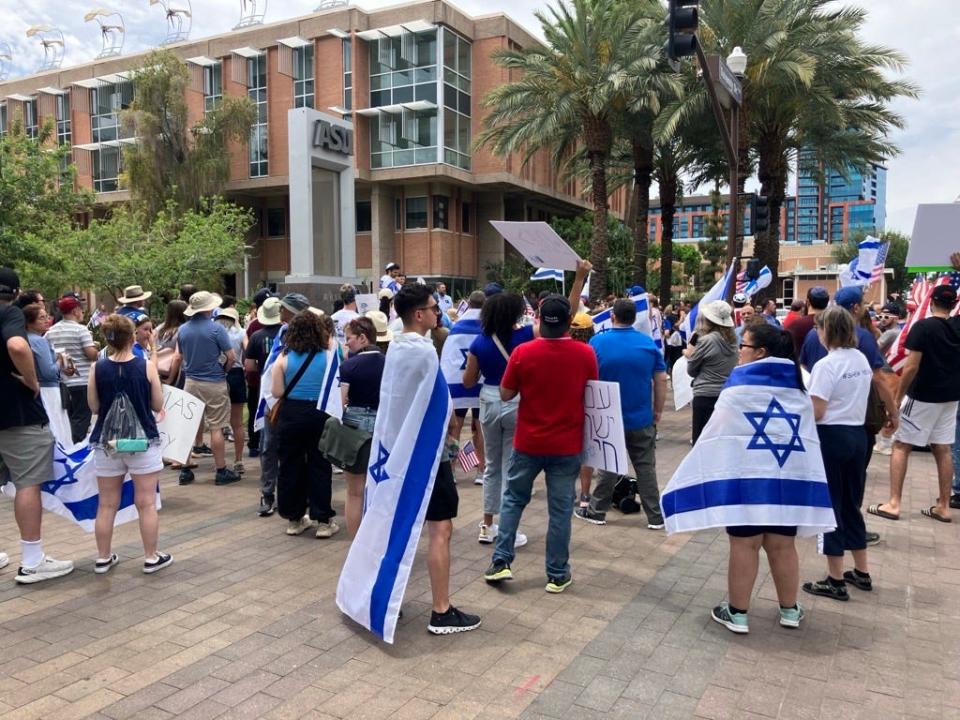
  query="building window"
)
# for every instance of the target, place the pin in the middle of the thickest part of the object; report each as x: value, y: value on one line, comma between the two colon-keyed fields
x: 303, y: 76
x: 364, y: 216
x: 347, y: 74
x: 788, y: 290
x: 64, y: 134
x: 276, y: 222
x: 106, y: 102
x: 457, y: 74
x: 465, y: 209
x: 257, y: 92
x: 403, y: 69
x: 441, y: 217
x: 31, y: 125
x: 3, y: 120
x: 107, y: 163
x: 212, y: 86
x: 416, y: 215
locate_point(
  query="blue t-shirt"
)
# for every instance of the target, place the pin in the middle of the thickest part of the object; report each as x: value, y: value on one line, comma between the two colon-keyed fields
x: 490, y: 359
x: 201, y: 342
x: 631, y: 359
x: 309, y: 385
x: 135, y: 314
x: 812, y: 351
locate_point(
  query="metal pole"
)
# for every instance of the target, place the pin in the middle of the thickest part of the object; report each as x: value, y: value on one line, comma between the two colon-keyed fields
x: 734, y: 230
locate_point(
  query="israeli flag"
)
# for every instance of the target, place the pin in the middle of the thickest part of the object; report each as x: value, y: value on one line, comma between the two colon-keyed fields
x: 331, y: 400
x: 752, y: 287
x: 603, y: 321
x: 406, y: 448
x: 758, y: 460
x: 72, y: 491
x: 548, y: 274
x: 453, y: 359
x: 860, y: 269
x: 267, y: 400
x: 717, y: 292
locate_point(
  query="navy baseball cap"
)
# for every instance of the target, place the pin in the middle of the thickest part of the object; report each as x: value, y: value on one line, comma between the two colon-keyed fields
x: 260, y: 296
x: 849, y: 296
x: 944, y: 296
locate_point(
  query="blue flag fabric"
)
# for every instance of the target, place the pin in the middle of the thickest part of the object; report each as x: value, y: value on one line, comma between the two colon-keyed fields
x: 453, y: 359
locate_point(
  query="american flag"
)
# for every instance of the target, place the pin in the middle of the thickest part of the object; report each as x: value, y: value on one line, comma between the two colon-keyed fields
x: 467, y: 456
x: 897, y: 355
x: 879, y: 264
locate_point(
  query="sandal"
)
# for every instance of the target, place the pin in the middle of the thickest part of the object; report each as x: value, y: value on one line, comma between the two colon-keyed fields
x: 858, y: 581
x: 932, y: 513
x: 876, y: 510
x: 827, y: 589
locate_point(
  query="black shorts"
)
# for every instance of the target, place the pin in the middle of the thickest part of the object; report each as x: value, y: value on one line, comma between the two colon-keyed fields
x: 462, y: 412
x: 745, y: 531
x: 237, y: 386
x: 445, y: 500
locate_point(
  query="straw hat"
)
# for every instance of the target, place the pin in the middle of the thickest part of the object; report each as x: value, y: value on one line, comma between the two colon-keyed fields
x: 719, y: 313
x: 269, y: 312
x: 385, y: 293
x: 132, y: 294
x: 384, y: 334
x: 230, y: 313
x: 202, y: 301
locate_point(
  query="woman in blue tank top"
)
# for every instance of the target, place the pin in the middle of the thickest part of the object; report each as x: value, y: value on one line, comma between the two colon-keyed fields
x: 123, y: 372
x: 304, y: 480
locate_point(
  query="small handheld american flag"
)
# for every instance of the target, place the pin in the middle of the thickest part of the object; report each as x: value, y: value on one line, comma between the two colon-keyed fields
x: 467, y: 457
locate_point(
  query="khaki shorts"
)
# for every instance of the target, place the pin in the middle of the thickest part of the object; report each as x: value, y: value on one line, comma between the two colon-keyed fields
x: 27, y: 452
x: 216, y: 401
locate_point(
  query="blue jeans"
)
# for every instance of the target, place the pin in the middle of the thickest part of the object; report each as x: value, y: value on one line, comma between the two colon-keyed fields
x: 956, y: 457
x: 561, y: 474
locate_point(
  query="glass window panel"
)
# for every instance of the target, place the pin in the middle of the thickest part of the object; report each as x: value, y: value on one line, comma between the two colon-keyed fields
x: 276, y: 222
x: 403, y: 157
x: 403, y: 77
x: 463, y: 84
x: 427, y: 48
x: 463, y: 57
x: 416, y: 213
x: 464, y: 161
x: 427, y: 130
x: 465, y: 217
x: 425, y: 155
x: 463, y: 103
x: 428, y: 74
x: 348, y: 99
x: 441, y: 206
x: 426, y: 92
x: 463, y: 135
x: 449, y: 97
x: 403, y: 94
x: 379, y: 82
x: 347, y: 56
x: 379, y: 97
x: 449, y: 76
x: 379, y: 160
x: 449, y: 128
x: 364, y: 216
x: 449, y: 49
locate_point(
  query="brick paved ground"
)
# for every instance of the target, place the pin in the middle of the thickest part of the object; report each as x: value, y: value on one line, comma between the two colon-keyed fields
x: 243, y: 625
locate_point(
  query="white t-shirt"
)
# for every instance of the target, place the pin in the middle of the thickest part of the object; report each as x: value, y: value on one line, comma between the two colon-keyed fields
x: 843, y: 379
x: 340, y: 319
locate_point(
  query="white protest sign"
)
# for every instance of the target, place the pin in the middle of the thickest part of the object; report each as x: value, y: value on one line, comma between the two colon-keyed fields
x: 538, y: 243
x: 182, y: 413
x: 934, y: 237
x: 682, y: 384
x: 366, y: 303
x: 604, y: 446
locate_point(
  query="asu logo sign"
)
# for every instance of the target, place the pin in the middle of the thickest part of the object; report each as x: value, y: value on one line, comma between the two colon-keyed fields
x: 332, y: 137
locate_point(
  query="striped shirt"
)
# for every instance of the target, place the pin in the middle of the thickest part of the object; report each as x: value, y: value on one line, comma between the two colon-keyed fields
x: 70, y: 338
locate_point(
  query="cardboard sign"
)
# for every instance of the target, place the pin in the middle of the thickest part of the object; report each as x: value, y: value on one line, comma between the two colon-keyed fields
x: 182, y: 414
x: 366, y: 303
x: 604, y: 445
x: 538, y: 243
x: 682, y: 384
x: 935, y: 236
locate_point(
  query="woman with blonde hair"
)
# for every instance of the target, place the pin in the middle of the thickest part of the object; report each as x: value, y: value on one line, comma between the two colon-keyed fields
x: 711, y: 357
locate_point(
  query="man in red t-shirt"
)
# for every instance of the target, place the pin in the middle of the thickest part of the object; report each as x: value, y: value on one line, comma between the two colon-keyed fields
x: 550, y: 375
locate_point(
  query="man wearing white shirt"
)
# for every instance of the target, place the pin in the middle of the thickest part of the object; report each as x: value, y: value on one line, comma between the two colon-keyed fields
x: 348, y: 293
x: 389, y: 279
x: 444, y: 300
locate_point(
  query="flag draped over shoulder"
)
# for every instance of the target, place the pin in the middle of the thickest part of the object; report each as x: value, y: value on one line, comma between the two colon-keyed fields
x: 757, y: 461
x: 603, y: 321
x: 453, y: 360
x: 330, y: 400
x: 408, y: 439
x: 266, y: 395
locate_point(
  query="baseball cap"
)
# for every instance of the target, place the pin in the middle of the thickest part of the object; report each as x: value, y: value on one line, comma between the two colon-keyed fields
x: 581, y: 321
x: 9, y: 281
x: 944, y: 295
x: 818, y: 292
x: 494, y: 288
x: 73, y: 294
x: 295, y: 302
x: 849, y: 296
x: 891, y: 309
x: 555, y: 311
x: 68, y: 304
x: 636, y: 290
x: 261, y: 295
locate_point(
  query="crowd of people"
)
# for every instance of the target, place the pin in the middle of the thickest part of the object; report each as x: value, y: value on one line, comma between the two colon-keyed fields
x: 517, y: 366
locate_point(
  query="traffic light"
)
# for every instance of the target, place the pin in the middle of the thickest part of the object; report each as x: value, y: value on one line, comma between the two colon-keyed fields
x: 759, y: 214
x: 682, y: 23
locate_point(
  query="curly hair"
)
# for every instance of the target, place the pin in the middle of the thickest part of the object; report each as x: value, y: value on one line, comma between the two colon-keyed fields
x: 306, y: 333
x: 118, y: 331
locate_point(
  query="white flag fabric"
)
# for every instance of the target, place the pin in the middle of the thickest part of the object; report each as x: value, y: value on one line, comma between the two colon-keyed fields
x: 860, y: 270
x: 757, y: 461
x: 752, y: 287
x: 408, y: 440
x: 453, y: 359
x: 267, y: 399
x: 548, y: 274
x: 717, y: 292
x: 603, y: 321
x: 330, y: 400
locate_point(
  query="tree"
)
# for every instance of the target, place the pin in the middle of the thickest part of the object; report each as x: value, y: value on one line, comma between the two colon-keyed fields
x: 38, y: 206
x: 896, y: 256
x: 578, y: 233
x: 714, y: 248
x: 171, y: 159
x: 568, y: 94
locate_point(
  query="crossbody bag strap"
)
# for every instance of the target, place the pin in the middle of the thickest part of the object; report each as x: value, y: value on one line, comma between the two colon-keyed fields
x: 501, y: 348
x: 299, y: 373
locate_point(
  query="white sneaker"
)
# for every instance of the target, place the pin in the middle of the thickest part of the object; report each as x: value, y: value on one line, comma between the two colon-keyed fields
x: 48, y: 569
x: 478, y: 479
x: 654, y: 526
x: 337, y: 471
x: 327, y: 529
x: 297, y: 527
x: 488, y: 533
x: 4, y: 560
x: 104, y: 565
x: 519, y: 541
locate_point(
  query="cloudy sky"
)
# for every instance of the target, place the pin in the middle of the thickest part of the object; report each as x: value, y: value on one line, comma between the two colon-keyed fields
x: 927, y: 31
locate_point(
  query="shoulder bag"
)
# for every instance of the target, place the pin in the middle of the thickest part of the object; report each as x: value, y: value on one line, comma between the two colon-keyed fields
x: 341, y: 444
x: 273, y: 414
x: 501, y: 348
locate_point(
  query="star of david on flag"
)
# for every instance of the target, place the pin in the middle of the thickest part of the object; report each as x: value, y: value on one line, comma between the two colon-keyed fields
x: 761, y: 440
x: 378, y: 470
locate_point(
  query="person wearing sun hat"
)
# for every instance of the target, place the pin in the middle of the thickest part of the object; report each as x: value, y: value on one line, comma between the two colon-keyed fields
x: 711, y: 357
x: 131, y: 302
x: 384, y: 334
x: 200, y: 343
x: 254, y: 363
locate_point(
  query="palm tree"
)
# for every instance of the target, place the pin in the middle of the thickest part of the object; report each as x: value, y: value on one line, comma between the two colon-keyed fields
x: 568, y: 95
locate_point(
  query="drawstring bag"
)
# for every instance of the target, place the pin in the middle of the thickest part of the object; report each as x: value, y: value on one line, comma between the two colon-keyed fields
x: 122, y: 431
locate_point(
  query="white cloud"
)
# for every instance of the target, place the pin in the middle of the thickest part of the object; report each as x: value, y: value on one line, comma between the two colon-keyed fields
x: 926, y: 31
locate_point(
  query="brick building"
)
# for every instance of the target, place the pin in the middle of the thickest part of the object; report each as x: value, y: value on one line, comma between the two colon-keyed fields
x: 408, y: 80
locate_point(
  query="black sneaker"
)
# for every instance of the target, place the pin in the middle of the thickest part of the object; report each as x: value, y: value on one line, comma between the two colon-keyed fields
x: 152, y: 566
x: 498, y: 570
x: 827, y: 589
x: 267, y: 505
x: 225, y: 477
x: 202, y: 450
x: 452, y: 621
x: 557, y: 585
x: 596, y: 518
x: 858, y: 581
x: 955, y: 501
x: 872, y: 538
x: 186, y: 476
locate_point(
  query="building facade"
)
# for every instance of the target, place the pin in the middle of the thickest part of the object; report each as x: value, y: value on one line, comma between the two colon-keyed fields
x: 407, y: 81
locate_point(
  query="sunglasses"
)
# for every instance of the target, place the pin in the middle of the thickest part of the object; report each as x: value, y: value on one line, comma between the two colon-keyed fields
x: 435, y: 308
x: 745, y: 345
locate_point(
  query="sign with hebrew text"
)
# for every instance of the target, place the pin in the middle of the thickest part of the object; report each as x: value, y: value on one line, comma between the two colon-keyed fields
x: 604, y: 445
